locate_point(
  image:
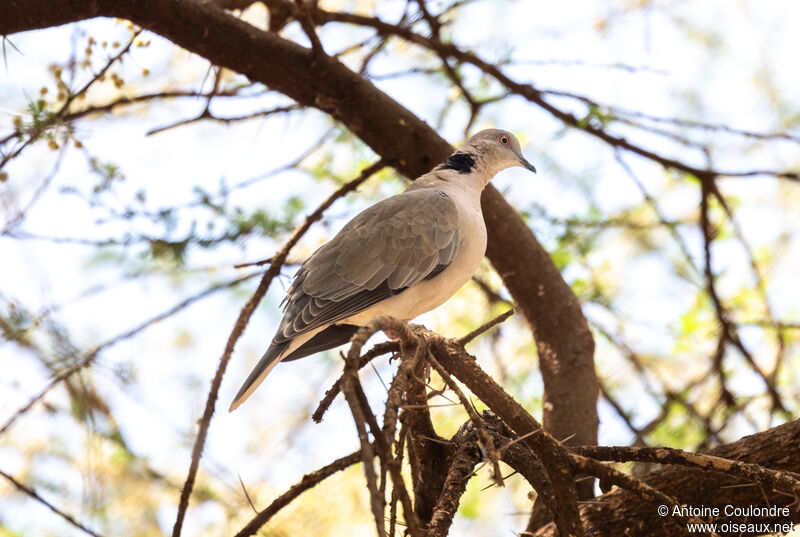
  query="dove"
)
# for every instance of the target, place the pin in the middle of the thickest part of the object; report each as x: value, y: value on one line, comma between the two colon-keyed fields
x: 402, y: 257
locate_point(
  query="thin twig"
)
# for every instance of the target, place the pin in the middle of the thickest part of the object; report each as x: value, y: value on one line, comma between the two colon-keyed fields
x: 393, y: 465
x: 340, y: 192
x: 460, y: 469
x: 37, y: 194
x: 308, y: 481
x: 125, y: 100
x: 367, y: 357
x: 33, y: 494
x: 484, y: 438
x: 207, y: 115
x: 307, y: 23
x: 401, y: 442
x: 350, y: 384
x: 728, y: 330
x: 351, y: 388
x: 463, y: 340
x: 59, y: 115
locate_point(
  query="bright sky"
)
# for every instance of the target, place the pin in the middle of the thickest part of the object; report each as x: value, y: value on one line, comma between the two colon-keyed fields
x: 157, y: 413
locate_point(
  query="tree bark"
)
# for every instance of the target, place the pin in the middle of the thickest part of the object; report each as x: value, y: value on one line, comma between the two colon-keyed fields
x: 620, y: 512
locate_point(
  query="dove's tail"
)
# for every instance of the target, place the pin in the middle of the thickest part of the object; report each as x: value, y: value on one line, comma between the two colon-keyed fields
x: 300, y: 347
x: 270, y: 359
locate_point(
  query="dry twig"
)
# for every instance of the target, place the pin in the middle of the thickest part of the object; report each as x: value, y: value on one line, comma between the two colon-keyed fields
x: 35, y: 495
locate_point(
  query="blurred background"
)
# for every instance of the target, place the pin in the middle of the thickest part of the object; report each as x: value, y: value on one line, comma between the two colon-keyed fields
x: 121, y: 222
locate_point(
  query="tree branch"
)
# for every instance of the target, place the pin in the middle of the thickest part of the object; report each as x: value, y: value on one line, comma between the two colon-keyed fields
x: 787, y: 481
x: 622, y: 513
x: 460, y: 466
x: 563, y: 504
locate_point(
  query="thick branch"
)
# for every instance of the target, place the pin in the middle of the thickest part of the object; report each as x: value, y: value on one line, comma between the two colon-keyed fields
x: 786, y: 481
x: 622, y: 513
x: 460, y: 467
x: 551, y: 453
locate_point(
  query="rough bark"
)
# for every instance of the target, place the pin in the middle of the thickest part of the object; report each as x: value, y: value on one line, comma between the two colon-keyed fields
x: 428, y: 453
x: 619, y: 512
x: 460, y: 466
x: 407, y: 143
x: 562, y: 504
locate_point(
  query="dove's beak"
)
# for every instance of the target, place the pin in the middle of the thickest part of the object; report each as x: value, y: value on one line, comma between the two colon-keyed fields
x: 525, y: 164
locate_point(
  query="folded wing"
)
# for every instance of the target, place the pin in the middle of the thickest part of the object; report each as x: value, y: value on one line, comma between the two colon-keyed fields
x: 387, y: 248
x: 384, y: 250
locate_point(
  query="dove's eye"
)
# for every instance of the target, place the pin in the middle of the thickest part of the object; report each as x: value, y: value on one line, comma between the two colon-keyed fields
x: 503, y: 139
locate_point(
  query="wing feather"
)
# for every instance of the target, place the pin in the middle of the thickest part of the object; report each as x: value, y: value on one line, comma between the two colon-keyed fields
x: 387, y: 248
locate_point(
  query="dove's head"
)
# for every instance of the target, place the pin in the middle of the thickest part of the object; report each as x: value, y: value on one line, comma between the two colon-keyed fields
x: 496, y: 150
x: 485, y: 154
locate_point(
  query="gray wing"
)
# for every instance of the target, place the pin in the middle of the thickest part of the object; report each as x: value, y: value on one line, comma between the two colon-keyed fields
x: 387, y: 248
